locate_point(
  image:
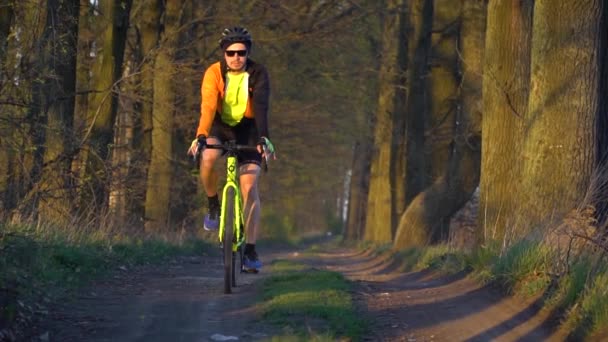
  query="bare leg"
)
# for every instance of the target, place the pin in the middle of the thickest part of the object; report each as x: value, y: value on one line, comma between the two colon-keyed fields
x: 208, y: 175
x: 251, y: 200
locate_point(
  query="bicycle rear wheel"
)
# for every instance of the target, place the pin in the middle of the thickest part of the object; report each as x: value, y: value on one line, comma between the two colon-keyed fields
x: 228, y: 218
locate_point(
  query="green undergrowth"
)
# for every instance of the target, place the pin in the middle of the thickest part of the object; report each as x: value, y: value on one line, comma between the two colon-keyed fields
x: 38, y: 264
x: 578, y: 296
x: 310, y: 304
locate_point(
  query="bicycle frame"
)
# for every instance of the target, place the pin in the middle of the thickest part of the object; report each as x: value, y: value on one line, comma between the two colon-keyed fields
x: 232, y: 182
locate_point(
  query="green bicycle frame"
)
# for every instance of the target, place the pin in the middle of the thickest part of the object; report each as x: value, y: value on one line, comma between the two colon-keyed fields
x: 232, y: 182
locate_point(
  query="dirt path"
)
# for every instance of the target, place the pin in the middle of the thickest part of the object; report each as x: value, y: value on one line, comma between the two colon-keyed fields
x: 183, y: 301
x: 424, y: 306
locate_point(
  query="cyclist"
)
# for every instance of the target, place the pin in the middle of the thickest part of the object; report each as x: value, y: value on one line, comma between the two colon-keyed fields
x: 235, y: 94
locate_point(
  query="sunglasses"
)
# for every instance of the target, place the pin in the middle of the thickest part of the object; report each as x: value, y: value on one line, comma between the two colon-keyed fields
x: 241, y: 53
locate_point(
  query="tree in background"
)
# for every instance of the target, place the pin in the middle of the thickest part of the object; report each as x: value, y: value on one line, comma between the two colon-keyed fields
x: 6, y: 19
x: 21, y: 93
x: 57, y: 90
x: 320, y: 101
x: 506, y: 87
x: 102, y: 104
x: 159, y: 172
x: 561, y: 141
x: 387, y: 163
x: 453, y: 128
x: 7, y: 15
x: 420, y: 23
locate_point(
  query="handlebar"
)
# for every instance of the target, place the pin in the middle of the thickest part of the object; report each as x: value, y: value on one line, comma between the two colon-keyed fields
x: 233, y: 147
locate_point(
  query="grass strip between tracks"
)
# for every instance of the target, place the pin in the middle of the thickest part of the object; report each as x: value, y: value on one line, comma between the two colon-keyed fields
x: 310, y: 304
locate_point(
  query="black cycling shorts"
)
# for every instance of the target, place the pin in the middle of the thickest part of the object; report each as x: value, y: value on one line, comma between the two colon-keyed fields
x: 245, y: 133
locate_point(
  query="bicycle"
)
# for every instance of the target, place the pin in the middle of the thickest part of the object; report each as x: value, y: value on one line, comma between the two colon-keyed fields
x: 231, y: 234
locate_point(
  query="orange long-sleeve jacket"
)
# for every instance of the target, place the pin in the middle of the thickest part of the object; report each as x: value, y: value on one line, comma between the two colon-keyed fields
x: 213, y: 89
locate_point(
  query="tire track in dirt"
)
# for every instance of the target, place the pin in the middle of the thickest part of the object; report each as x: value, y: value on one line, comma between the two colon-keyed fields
x: 427, y: 306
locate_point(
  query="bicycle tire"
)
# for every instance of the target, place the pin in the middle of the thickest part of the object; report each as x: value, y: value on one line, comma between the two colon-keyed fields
x: 228, y: 217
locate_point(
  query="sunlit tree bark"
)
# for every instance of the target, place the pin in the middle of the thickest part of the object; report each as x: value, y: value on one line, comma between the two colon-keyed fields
x: 379, y: 222
x: 506, y: 80
x: 57, y: 109
x: 29, y: 136
x: 560, y: 149
x: 158, y: 191
x: 16, y: 142
x: 101, y: 114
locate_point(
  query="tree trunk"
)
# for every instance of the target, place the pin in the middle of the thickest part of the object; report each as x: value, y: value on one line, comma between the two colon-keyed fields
x: 57, y: 108
x: 426, y: 219
x: 414, y: 179
x: 122, y: 153
x: 150, y: 34
x: 357, y: 201
x: 6, y: 19
x: 469, y: 118
x: 505, y: 96
x: 442, y: 86
x: 602, y: 123
x: 84, y: 61
x: 560, y: 147
x: 420, y: 17
x: 158, y: 192
x: 32, y: 134
x: 101, y: 114
x: 379, y: 224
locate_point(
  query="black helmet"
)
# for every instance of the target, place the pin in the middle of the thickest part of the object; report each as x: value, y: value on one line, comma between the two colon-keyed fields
x: 233, y: 35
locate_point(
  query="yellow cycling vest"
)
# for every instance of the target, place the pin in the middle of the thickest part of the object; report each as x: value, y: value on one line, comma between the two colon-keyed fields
x: 235, y: 100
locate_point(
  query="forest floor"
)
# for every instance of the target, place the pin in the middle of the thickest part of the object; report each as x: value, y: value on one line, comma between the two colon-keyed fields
x: 183, y: 301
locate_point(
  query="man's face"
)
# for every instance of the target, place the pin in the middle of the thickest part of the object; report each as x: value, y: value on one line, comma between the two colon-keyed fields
x: 236, y: 56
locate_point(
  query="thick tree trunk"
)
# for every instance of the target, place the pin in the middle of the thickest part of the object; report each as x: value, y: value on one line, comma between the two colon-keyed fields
x: 420, y: 18
x: 505, y: 97
x: 31, y: 135
x: 379, y: 223
x: 443, y: 86
x: 560, y: 145
x: 602, y: 124
x: 150, y: 34
x: 61, y: 37
x: 101, y: 115
x: 158, y: 192
x: 454, y: 150
x: 415, y: 178
x: 470, y: 116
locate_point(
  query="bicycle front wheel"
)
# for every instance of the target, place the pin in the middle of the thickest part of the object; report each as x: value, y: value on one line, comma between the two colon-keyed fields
x: 229, y: 223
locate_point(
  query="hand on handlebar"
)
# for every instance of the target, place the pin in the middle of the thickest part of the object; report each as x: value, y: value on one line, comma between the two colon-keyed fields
x: 266, y: 147
x: 197, y: 146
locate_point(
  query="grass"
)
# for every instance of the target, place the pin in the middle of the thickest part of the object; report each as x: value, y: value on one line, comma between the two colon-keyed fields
x: 522, y: 269
x: 38, y: 264
x: 310, y: 304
